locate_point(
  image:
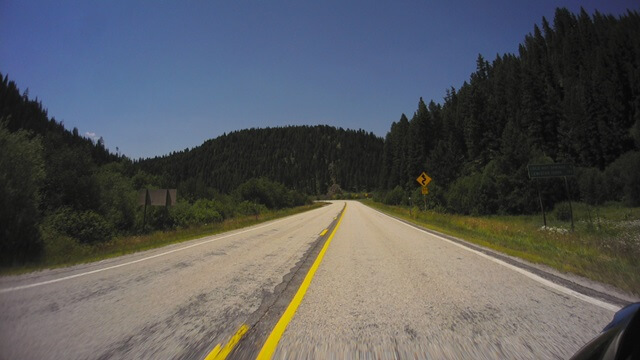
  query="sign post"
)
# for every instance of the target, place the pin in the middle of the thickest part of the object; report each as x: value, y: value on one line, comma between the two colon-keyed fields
x: 539, y: 171
x: 566, y: 186
x: 424, y: 180
x: 161, y: 197
x: 544, y: 217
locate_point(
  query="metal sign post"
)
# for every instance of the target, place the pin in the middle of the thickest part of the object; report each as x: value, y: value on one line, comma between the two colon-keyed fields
x: 538, y: 171
x: 544, y: 217
x: 424, y: 180
x: 425, y: 192
x: 566, y: 186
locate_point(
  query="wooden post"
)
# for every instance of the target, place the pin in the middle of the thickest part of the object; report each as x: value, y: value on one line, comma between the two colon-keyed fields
x: 144, y: 218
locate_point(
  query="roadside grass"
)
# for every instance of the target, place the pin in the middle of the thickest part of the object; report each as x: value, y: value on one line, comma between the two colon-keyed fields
x: 66, y: 251
x: 605, y: 245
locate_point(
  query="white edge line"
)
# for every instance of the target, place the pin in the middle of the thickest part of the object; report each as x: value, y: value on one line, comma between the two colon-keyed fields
x: 21, y: 287
x: 532, y: 276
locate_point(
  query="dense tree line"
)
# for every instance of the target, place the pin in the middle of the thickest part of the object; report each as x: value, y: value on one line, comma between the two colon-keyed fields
x: 59, y: 189
x: 309, y: 159
x: 572, y: 94
x: 46, y: 172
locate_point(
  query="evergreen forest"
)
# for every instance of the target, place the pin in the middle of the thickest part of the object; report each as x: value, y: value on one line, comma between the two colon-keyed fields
x: 570, y: 95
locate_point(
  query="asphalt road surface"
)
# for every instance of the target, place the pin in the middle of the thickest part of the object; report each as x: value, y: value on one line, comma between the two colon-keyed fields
x: 384, y: 290
x: 389, y: 290
x: 178, y: 305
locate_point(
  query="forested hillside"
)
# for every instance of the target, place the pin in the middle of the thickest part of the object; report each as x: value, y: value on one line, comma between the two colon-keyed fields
x: 60, y: 191
x: 46, y: 172
x: 572, y: 94
x: 18, y: 112
x: 306, y: 158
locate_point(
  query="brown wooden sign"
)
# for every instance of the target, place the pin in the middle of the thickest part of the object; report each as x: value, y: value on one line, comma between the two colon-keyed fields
x: 159, y: 197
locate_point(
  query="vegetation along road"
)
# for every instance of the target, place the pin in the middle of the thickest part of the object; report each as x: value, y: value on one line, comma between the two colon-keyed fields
x: 380, y: 287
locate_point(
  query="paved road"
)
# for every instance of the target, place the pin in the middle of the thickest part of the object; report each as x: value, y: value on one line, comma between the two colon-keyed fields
x: 178, y: 305
x: 383, y: 290
x: 388, y: 290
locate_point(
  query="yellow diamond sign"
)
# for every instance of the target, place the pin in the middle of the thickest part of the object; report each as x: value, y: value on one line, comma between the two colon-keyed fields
x: 423, y: 179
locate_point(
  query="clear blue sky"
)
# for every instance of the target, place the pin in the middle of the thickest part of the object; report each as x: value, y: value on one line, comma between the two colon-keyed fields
x: 152, y: 77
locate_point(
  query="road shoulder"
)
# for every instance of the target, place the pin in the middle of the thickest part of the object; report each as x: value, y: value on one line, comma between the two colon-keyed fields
x: 576, y: 283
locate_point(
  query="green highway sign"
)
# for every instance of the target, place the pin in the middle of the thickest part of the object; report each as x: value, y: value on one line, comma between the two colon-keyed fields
x: 550, y: 170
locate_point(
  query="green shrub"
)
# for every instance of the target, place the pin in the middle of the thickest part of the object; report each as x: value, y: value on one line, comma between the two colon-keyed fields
x: 182, y: 214
x: 379, y: 196
x: 562, y: 211
x: 159, y: 218
x: 461, y: 193
x: 249, y: 208
x: 474, y: 194
x: 206, y: 211
x: 264, y: 191
x: 60, y: 248
x: 87, y: 227
x: 118, y: 200
x: 298, y: 199
x: 395, y: 196
x: 21, y: 179
x: 592, y: 186
x: 269, y: 193
x: 622, y: 179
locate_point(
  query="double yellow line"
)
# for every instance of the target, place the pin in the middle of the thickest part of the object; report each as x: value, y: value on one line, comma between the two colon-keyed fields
x: 269, y: 347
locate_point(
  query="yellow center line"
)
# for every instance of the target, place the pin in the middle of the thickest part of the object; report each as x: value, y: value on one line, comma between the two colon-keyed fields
x: 270, y: 345
x: 221, y: 353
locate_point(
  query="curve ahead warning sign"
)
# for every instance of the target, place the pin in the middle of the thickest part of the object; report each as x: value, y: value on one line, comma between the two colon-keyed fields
x: 423, y: 179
